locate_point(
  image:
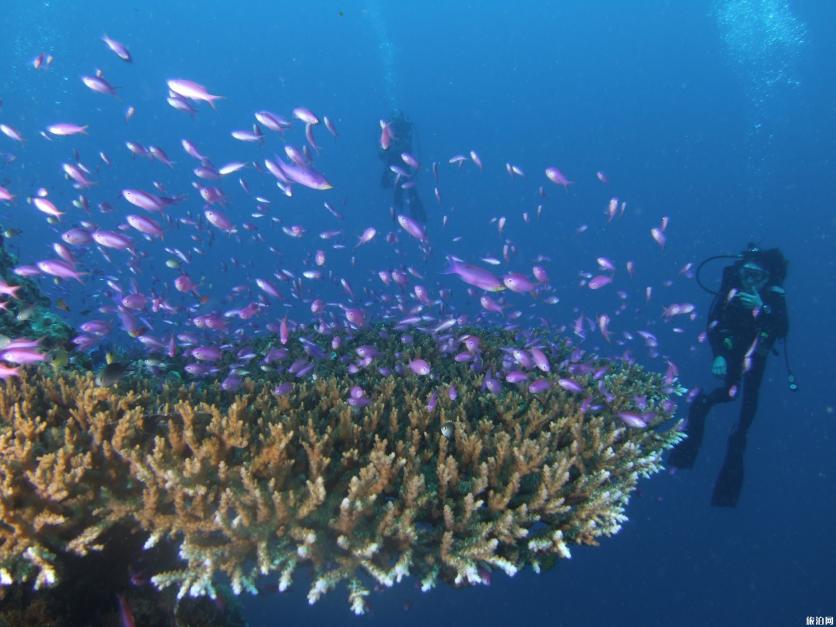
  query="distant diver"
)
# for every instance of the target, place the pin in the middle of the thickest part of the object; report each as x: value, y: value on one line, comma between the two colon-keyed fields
x: 396, y: 153
x: 747, y: 316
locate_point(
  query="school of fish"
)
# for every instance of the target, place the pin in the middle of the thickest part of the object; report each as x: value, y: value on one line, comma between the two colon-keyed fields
x: 143, y: 254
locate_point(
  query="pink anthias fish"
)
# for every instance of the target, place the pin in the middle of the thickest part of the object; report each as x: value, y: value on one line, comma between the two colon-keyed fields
x: 219, y: 220
x: 146, y: 200
x: 77, y: 237
x: 570, y: 386
x: 597, y: 282
x: 184, y: 284
x: 557, y: 177
x: 77, y: 175
x: 419, y: 367
x: 474, y: 275
x: 9, y: 290
x: 272, y: 121
x: 11, y: 132
x: 678, y: 309
x: 59, y: 269
x: 658, y: 233
x: 117, y: 48
x: 475, y: 158
x: 329, y: 124
x: 7, y: 372
x: 412, y: 227
x: 410, y: 160
x: 192, y: 91
x: 632, y: 419
x: 268, y: 288
x: 355, y: 316
x: 305, y: 115
x: 365, y: 237
x: 386, y: 135
x: 604, y: 326
x: 304, y: 175
x: 658, y: 236
x: 99, y: 85
x: 21, y: 354
x: 111, y: 239
x: 44, y: 205
x: 65, y: 129
x: 606, y: 264
x: 519, y: 283
x: 145, y: 225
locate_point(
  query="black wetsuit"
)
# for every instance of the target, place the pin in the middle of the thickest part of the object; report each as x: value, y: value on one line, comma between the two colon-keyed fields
x: 403, y: 200
x: 732, y: 332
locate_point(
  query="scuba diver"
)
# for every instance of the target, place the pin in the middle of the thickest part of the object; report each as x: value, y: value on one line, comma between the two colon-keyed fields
x: 747, y: 316
x: 397, y: 173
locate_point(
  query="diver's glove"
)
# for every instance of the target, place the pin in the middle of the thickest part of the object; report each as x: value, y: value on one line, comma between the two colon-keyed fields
x: 718, y: 368
x: 750, y: 301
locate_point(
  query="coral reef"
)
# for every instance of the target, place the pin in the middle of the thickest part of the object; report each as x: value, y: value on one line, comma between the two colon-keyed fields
x: 264, y: 482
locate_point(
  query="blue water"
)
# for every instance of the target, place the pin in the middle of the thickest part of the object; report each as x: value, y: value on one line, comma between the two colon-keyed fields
x: 721, y: 116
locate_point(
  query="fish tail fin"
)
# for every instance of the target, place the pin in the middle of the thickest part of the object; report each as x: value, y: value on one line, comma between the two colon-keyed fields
x: 211, y: 100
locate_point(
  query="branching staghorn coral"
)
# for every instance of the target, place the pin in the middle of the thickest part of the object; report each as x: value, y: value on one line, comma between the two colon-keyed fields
x: 257, y: 484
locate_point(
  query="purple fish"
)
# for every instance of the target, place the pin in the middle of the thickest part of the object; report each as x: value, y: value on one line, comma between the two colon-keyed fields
x: 303, y: 175
x: 419, y: 367
x: 268, y: 288
x: 570, y: 386
x: 77, y: 237
x: 21, y: 355
x: 632, y: 419
x: 134, y: 301
x: 145, y: 225
x: 206, y: 353
x: 516, y: 376
x: 493, y: 385
x: 144, y: 200
x: 412, y: 227
x: 232, y: 383
x: 474, y: 275
x: 219, y: 220
x: 557, y: 177
x: 99, y: 85
x: 355, y: 316
x: 540, y: 359
x: 540, y: 385
x: 111, y: 239
x: 96, y: 327
x: 192, y: 91
x: 519, y: 283
x: 64, y: 129
x: 117, y: 48
x: 60, y: 269
x: 272, y: 121
x: 597, y: 282
x: 282, y: 389
x: 305, y: 115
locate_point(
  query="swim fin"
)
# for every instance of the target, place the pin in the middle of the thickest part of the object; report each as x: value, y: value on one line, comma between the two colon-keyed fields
x: 730, y: 480
x: 685, y: 454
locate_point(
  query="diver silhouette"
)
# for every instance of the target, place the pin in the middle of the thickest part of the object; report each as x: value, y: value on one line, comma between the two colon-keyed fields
x: 747, y: 316
x: 396, y: 174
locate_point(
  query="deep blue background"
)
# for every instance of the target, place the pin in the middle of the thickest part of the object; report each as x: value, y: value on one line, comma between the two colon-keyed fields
x: 648, y: 92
